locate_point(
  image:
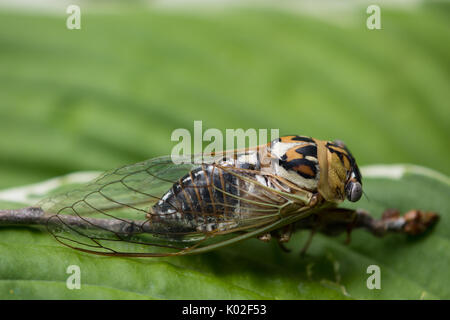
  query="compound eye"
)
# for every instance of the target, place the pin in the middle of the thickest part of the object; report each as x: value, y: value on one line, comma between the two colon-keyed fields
x: 353, y: 190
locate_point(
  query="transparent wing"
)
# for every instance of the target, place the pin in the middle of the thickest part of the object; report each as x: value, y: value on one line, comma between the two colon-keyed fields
x: 132, y: 186
x: 113, y: 215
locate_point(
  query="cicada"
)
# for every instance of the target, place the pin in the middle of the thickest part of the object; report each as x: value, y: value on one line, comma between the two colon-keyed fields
x: 162, y: 207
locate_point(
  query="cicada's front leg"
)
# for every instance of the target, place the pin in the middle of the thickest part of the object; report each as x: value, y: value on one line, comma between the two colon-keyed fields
x: 282, y: 236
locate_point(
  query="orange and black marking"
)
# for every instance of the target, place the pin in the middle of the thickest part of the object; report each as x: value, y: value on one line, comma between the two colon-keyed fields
x: 295, y: 139
x: 303, y: 158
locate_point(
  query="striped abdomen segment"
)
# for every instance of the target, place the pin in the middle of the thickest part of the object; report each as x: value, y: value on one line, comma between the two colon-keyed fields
x: 201, y: 200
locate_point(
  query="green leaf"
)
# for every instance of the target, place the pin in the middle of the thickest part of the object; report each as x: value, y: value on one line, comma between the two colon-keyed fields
x: 113, y: 92
x: 33, y: 265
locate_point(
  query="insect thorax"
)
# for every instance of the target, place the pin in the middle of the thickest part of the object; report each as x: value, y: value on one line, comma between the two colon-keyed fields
x: 294, y: 158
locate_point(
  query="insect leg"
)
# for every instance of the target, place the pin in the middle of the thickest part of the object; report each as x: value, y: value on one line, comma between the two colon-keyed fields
x: 308, y: 242
x: 283, y: 235
x: 265, y: 237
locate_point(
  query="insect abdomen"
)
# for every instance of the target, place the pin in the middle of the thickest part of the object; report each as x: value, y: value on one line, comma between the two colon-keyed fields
x: 201, y: 200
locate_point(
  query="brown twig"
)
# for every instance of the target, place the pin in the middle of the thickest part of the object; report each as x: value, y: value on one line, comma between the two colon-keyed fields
x: 413, y: 222
x: 33, y: 216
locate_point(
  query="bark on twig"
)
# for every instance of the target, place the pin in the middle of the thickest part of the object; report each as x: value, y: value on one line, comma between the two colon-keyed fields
x: 33, y: 216
x: 413, y: 222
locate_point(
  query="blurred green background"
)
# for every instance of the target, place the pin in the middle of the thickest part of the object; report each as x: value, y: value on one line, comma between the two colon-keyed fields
x: 113, y: 92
